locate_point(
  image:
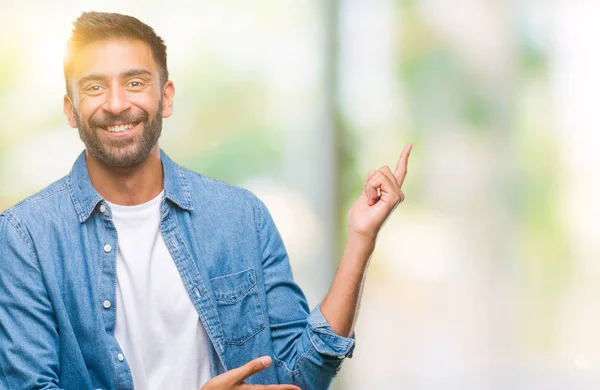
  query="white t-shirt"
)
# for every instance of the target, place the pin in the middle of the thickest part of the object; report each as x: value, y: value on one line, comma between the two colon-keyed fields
x: 158, y: 328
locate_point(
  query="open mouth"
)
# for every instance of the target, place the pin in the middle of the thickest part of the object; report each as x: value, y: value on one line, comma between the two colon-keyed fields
x: 120, y: 127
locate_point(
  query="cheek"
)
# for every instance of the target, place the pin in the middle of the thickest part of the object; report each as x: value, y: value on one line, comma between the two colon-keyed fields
x: 146, y: 102
x: 89, y: 105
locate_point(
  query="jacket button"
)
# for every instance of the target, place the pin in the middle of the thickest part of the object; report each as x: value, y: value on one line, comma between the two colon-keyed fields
x: 107, y: 248
x: 106, y: 304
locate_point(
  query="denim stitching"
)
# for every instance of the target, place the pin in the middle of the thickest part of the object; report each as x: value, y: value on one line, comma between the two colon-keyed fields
x: 53, y: 189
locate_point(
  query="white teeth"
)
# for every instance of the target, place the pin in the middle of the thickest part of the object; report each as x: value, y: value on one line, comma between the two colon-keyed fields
x: 119, y: 128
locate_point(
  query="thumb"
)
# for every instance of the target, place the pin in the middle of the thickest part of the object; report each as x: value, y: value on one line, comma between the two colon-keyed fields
x: 247, y: 370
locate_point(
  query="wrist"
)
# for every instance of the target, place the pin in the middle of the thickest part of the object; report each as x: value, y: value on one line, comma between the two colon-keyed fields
x: 364, y: 238
x: 359, y: 247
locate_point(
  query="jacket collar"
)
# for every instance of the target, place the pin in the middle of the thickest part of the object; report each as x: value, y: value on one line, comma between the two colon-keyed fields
x: 85, y: 197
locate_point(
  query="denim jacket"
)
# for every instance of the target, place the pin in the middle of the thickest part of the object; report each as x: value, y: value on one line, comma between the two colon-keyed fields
x: 58, y: 253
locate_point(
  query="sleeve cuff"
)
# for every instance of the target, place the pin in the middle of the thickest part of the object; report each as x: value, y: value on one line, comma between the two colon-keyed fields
x: 325, y: 340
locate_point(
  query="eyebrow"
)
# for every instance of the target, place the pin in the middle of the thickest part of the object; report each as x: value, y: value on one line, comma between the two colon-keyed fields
x: 129, y: 73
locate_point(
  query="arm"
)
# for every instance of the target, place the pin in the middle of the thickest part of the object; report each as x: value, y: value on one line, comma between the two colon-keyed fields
x: 340, y: 305
x: 28, y: 333
x: 365, y: 219
x: 310, y: 347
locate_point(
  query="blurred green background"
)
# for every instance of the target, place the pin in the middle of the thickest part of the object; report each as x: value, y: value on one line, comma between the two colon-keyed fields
x: 488, y: 276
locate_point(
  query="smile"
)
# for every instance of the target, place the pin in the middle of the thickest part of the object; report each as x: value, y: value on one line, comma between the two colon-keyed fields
x: 120, y: 128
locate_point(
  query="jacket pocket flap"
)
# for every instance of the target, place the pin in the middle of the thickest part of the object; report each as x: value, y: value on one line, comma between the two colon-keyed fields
x: 233, y: 287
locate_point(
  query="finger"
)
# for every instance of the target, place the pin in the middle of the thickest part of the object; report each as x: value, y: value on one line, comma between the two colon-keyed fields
x: 247, y: 386
x: 388, y: 172
x: 370, y: 175
x: 255, y: 366
x: 371, y: 191
x: 368, y: 194
x: 402, y: 167
x: 401, y: 197
x: 388, y: 189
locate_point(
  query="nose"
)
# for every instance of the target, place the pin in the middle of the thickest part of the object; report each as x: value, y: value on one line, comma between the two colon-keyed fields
x: 116, y: 101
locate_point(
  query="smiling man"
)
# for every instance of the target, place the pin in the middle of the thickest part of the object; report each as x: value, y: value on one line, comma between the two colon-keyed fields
x: 135, y: 272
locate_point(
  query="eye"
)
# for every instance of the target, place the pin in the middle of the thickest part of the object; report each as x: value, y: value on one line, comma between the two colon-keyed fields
x: 135, y: 84
x: 94, y: 88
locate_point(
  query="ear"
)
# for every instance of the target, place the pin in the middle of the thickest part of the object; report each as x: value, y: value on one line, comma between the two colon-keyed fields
x: 168, y: 93
x: 69, y: 111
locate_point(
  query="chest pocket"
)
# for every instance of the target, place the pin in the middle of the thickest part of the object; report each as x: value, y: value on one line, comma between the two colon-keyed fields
x: 238, y: 306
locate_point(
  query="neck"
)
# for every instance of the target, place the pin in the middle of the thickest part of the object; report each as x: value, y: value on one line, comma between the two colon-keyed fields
x: 128, y: 186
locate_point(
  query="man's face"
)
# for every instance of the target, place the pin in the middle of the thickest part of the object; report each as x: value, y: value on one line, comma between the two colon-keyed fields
x: 118, y: 103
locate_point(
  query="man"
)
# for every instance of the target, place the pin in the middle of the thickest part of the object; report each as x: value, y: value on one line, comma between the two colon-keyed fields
x: 133, y: 271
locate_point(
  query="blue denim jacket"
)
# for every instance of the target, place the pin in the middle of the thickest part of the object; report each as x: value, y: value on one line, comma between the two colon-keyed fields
x: 58, y: 265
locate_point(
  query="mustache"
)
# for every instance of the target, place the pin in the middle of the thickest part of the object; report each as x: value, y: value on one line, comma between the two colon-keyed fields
x: 108, y: 120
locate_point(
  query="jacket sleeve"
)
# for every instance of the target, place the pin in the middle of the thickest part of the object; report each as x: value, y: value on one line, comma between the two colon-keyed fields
x: 28, y: 332
x: 308, y: 353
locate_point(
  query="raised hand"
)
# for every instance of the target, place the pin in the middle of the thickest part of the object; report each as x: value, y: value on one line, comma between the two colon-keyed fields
x: 234, y: 379
x: 383, y: 192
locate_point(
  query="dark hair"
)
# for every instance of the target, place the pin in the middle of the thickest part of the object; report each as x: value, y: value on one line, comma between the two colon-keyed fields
x: 90, y: 27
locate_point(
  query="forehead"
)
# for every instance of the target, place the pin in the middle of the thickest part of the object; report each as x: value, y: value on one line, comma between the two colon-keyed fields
x: 112, y: 57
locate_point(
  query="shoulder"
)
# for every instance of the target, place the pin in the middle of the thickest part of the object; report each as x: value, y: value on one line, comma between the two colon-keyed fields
x: 39, y: 205
x: 206, y: 191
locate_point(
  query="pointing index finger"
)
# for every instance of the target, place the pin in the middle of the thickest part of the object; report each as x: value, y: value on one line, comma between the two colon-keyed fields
x: 253, y: 367
x: 401, y: 168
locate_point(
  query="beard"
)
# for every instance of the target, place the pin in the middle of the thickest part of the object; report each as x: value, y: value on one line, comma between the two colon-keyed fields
x: 125, y: 152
